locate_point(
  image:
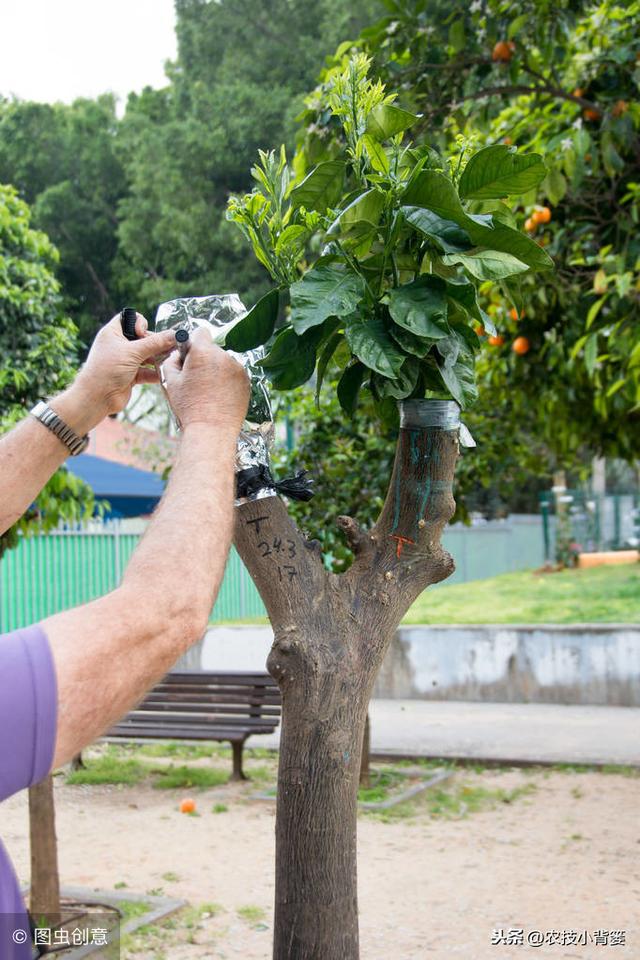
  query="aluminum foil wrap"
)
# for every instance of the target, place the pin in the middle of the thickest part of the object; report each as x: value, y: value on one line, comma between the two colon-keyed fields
x: 218, y: 314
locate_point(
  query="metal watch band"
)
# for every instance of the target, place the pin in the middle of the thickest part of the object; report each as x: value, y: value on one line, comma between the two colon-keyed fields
x: 75, y: 444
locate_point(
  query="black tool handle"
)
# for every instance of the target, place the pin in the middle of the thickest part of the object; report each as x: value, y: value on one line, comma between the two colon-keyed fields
x: 128, y: 320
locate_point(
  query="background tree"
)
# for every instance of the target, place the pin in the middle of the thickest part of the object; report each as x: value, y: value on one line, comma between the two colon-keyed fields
x: 64, y: 161
x: 567, y: 86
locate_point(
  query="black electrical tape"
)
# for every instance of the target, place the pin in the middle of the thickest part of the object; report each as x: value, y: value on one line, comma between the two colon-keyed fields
x: 128, y: 320
x: 298, y: 487
x: 250, y: 481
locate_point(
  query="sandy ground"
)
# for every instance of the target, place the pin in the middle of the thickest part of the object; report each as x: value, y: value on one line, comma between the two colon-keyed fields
x: 566, y: 856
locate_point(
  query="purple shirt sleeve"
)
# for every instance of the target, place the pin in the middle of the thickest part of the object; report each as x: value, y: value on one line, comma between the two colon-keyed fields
x: 28, y: 709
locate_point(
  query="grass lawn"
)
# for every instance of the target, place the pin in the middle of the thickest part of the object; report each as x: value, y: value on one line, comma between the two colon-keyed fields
x: 600, y: 595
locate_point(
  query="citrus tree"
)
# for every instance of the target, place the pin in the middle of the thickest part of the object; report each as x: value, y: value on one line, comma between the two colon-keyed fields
x: 564, y: 81
x: 377, y: 252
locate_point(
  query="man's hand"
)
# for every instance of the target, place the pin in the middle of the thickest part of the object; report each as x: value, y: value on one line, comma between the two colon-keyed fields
x: 115, y: 364
x: 211, y: 387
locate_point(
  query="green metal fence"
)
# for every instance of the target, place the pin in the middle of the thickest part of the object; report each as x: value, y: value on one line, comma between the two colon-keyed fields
x: 46, y: 574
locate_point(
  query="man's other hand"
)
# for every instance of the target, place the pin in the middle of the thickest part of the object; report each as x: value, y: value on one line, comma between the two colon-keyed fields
x: 210, y: 387
x: 115, y: 364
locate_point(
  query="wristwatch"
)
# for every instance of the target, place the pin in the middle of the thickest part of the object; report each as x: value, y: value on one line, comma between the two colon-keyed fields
x: 75, y: 444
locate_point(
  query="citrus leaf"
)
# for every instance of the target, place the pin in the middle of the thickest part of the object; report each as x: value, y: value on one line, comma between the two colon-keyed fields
x: 321, y: 188
x: 371, y: 343
x: 257, y: 326
x: 323, y: 361
x: 292, y: 359
x: 421, y: 307
x: 402, y: 385
x: 376, y: 153
x: 447, y: 234
x: 459, y: 379
x: 385, y: 121
x: 487, y: 264
x: 325, y: 291
x: 349, y: 386
x: 499, y: 171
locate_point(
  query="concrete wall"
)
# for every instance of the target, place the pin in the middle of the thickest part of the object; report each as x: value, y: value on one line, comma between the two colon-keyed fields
x: 582, y: 663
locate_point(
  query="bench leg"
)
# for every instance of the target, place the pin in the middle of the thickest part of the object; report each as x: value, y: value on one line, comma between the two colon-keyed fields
x: 77, y: 763
x: 238, y: 773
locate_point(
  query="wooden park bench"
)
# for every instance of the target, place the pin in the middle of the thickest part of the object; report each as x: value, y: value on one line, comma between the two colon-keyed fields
x: 198, y: 705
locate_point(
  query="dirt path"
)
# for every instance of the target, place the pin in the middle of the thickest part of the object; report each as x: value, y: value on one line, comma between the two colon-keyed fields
x: 564, y: 856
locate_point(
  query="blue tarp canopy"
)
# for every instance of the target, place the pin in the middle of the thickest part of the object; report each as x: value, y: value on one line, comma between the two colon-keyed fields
x: 130, y: 492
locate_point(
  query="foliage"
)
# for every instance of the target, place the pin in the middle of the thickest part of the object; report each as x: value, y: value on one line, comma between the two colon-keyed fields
x: 38, y: 355
x: 564, y: 83
x: 64, y: 160
x: 399, y: 238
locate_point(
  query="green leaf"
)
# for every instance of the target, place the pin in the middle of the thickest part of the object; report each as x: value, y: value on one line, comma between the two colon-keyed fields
x: 421, y: 307
x: 367, y: 207
x: 447, y: 234
x: 321, y: 188
x: 594, y: 310
x: 435, y: 192
x: 385, y: 121
x: 516, y: 25
x: 325, y: 291
x: 459, y: 378
x: 591, y: 352
x: 323, y: 362
x: 349, y: 387
x: 499, y: 171
x: 257, y: 326
x: 554, y: 185
x: 371, y: 343
x: 292, y: 359
x: 487, y: 264
x: 376, y: 153
x: 402, y: 385
x: 512, y: 242
x: 456, y: 35
x: 463, y: 292
x: 409, y: 342
x: 290, y: 238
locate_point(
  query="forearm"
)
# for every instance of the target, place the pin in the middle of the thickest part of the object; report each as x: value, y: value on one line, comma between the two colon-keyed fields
x: 111, y: 652
x: 30, y: 454
x: 179, y: 563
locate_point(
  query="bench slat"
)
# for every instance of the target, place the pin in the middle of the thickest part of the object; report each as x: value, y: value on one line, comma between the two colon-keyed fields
x: 180, y: 707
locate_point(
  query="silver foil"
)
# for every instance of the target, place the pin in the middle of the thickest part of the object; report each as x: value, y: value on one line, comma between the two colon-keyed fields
x: 218, y: 314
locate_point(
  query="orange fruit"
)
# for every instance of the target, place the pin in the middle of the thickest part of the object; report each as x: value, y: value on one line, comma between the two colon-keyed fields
x: 543, y: 215
x: 578, y: 92
x: 521, y: 346
x: 620, y: 107
x: 591, y: 114
x: 496, y: 341
x: 507, y: 140
x: 502, y: 52
x: 513, y: 313
x: 480, y: 330
x: 530, y: 225
x: 187, y: 805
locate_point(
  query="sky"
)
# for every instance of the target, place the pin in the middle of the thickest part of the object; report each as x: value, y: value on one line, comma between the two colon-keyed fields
x: 62, y: 49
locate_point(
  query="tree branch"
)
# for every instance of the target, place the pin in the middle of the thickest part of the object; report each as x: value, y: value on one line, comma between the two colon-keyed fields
x: 286, y: 567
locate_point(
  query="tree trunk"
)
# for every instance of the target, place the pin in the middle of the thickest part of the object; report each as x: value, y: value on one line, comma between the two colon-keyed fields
x: 330, y: 637
x: 365, y: 772
x: 45, y: 881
